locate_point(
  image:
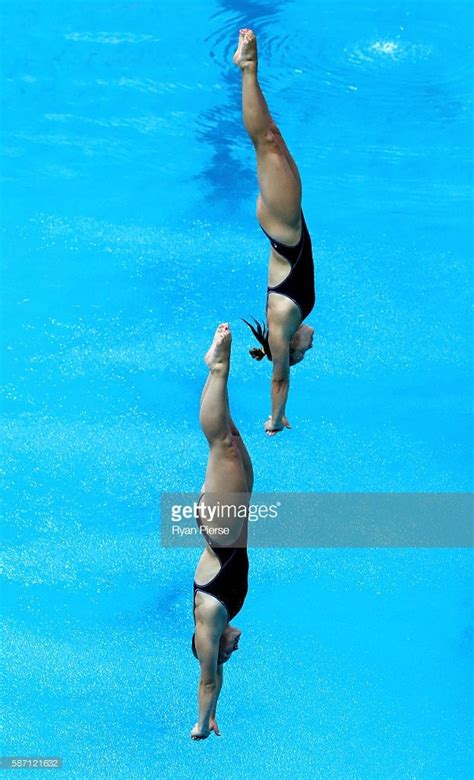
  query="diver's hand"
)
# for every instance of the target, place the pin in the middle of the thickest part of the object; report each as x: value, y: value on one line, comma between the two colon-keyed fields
x: 271, y: 429
x: 198, y: 733
x: 214, y: 727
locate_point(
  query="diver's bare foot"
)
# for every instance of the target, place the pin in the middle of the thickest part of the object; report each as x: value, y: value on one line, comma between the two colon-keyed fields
x: 218, y: 353
x: 246, y: 55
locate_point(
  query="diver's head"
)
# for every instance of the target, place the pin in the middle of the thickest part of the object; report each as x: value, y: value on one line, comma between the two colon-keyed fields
x: 228, y: 644
x: 225, y: 654
x: 300, y: 343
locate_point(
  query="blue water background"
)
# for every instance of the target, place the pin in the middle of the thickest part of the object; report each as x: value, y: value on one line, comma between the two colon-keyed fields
x: 128, y: 234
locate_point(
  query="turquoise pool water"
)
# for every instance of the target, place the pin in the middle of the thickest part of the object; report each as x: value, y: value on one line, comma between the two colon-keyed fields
x: 129, y: 232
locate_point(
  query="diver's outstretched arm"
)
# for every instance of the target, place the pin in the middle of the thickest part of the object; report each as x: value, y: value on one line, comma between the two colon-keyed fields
x: 207, y: 649
x: 280, y: 347
x: 219, y: 680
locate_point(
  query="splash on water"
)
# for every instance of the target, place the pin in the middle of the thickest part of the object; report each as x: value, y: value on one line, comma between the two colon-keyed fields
x: 389, y: 51
x: 385, y: 47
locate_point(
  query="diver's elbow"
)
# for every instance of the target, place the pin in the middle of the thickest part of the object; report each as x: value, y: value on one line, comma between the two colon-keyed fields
x: 280, y: 381
x: 208, y: 685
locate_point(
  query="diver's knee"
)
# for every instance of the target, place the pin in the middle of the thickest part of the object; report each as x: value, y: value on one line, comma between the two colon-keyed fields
x: 275, y: 130
x: 267, y: 140
x: 228, y: 445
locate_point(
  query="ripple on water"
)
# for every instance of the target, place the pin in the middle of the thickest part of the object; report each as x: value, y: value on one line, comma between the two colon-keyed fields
x: 349, y: 65
x: 109, y: 38
x: 227, y: 21
x: 389, y: 57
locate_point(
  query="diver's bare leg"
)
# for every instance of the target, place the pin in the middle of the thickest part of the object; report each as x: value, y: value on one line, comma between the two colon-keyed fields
x: 225, y: 469
x: 247, y: 463
x: 279, y: 203
x: 204, y: 390
x: 213, y: 412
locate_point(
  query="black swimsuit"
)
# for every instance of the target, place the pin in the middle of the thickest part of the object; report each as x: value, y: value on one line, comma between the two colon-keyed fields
x: 230, y: 584
x: 298, y: 286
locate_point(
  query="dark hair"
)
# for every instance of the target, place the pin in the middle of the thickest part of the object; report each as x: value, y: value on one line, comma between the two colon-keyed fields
x: 260, y: 331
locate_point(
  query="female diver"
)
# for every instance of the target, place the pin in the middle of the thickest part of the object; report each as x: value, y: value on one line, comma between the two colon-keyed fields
x: 220, y: 580
x: 290, y: 295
